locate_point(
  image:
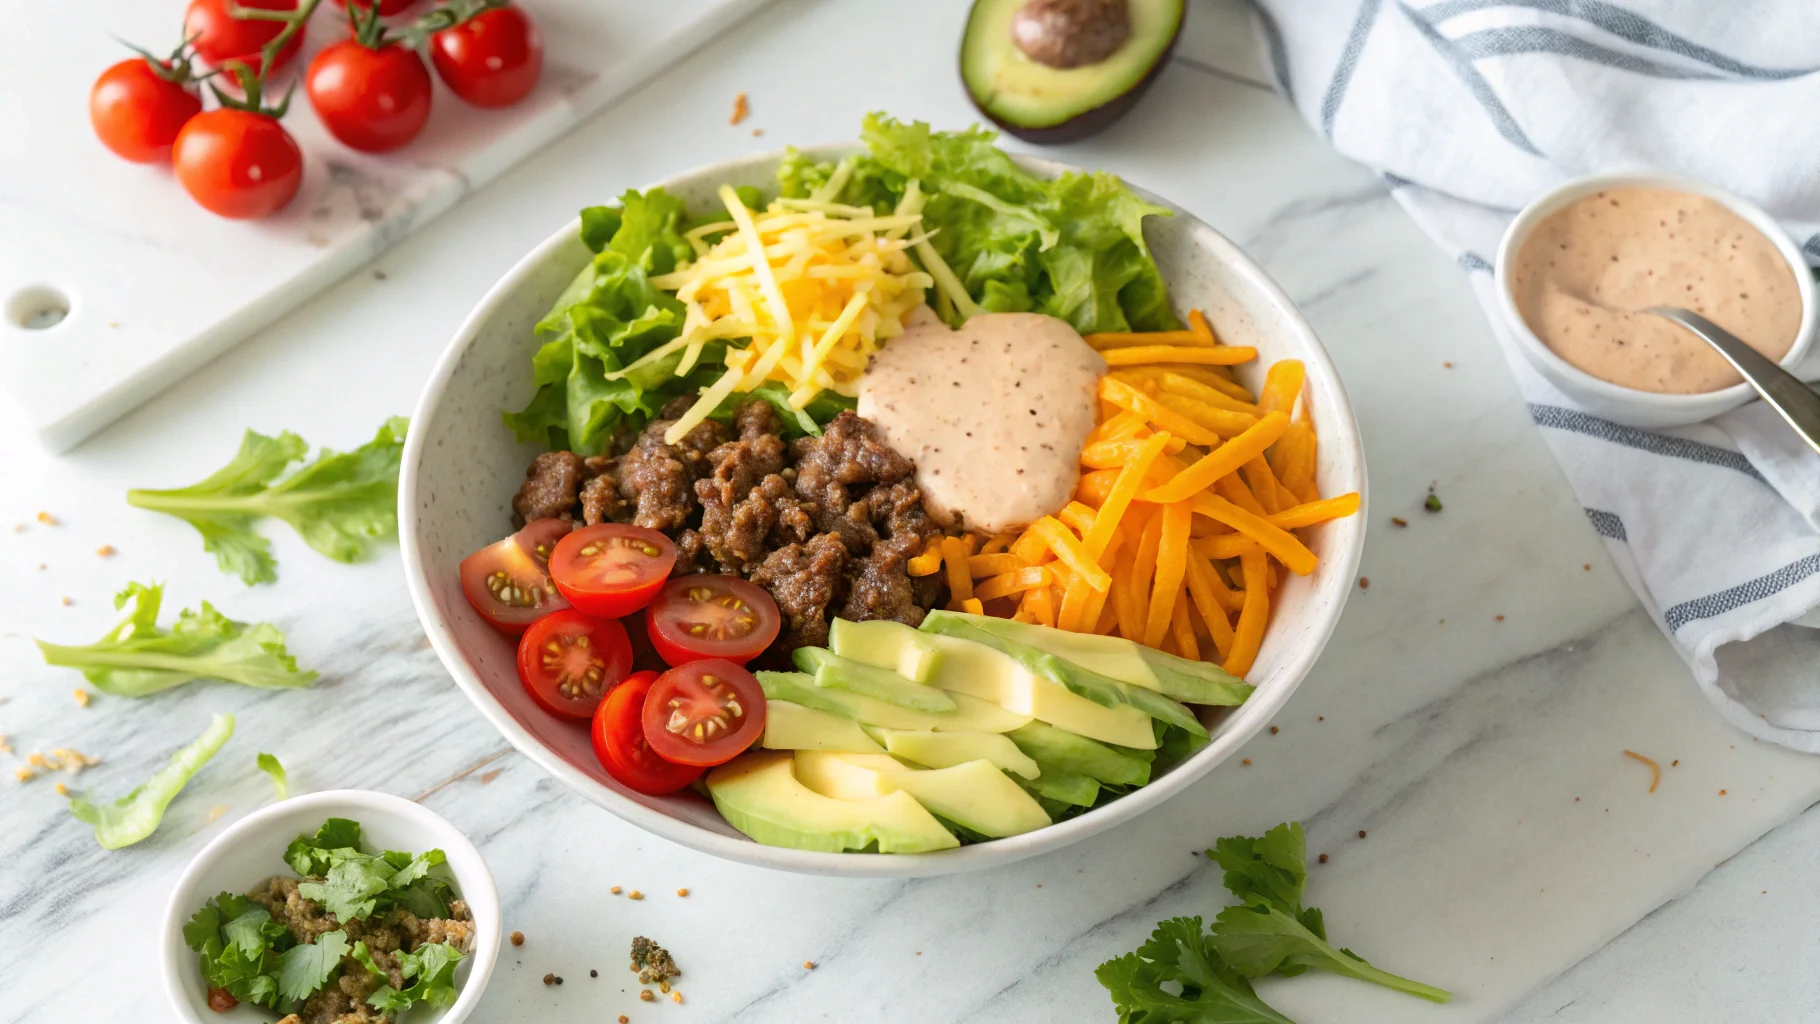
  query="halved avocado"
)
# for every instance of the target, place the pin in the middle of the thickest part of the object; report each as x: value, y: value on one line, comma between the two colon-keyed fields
x: 1059, y: 70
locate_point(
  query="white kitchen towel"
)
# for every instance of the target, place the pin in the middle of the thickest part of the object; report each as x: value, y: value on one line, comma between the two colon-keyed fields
x: 1469, y: 109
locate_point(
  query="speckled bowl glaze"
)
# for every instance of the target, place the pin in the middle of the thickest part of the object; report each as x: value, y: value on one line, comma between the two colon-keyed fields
x: 461, y: 468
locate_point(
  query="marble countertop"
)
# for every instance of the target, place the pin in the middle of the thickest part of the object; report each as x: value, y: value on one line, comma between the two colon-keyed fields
x: 1456, y: 753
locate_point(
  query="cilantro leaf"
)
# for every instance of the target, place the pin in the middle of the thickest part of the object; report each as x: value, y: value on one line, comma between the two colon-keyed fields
x: 433, y: 967
x: 338, y: 503
x: 352, y: 886
x: 137, y: 658
x: 416, y: 867
x: 426, y: 897
x: 306, y: 967
x: 1179, y: 952
x: 1272, y: 931
x: 252, y: 931
x: 204, y: 927
x: 270, y: 765
x: 309, y: 855
x: 137, y: 814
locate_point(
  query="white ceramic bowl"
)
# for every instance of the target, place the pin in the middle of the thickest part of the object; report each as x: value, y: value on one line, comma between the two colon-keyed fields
x: 1627, y: 405
x: 252, y: 850
x: 461, y: 468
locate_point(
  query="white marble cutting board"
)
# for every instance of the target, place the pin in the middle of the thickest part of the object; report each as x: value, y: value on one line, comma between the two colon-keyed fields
x: 154, y: 286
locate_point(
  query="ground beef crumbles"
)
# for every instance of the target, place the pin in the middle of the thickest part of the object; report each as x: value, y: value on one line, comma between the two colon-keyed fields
x: 826, y: 524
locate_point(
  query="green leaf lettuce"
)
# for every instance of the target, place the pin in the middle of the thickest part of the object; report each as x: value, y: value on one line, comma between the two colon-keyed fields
x: 137, y: 814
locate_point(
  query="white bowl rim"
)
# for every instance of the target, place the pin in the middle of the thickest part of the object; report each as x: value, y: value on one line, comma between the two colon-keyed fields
x: 478, y: 889
x: 1246, y: 720
x: 1699, y: 405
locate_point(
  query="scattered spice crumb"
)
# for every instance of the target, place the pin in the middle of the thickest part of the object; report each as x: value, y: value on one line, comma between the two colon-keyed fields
x: 490, y: 776
x: 1500, y: 618
x: 682, y: 892
x: 42, y: 567
x: 5, y: 747
x: 559, y: 979
x: 105, y: 551
x: 1320, y: 718
x: 66, y: 601
x: 1655, y: 770
x: 47, y: 519
x: 1448, y: 364
x: 62, y: 790
x: 1361, y: 833
x: 1322, y: 859
x: 1576, y: 799
x: 518, y: 938
x: 38, y: 760
x: 1364, y: 582
x: 549, y: 979
x: 614, y: 890
x: 808, y: 965
x: 1676, y: 763
x: 740, y: 109
x: 1433, y: 503
x: 1398, y: 521
x: 82, y: 697
x: 24, y: 774
x: 635, y: 894
x: 756, y: 132
x: 653, y: 963
x: 919, y: 952
x: 646, y: 994
x: 623, y: 1019
x: 676, y: 997
x: 1587, y: 567
x: 378, y: 275
x: 1722, y: 792
x: 592, y: 973
x: 215, y: 813
x: 1246, y: 761
x: 1273, y: 730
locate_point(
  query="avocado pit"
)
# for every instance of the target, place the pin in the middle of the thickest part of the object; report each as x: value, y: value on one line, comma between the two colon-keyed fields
x: 1071, y: 33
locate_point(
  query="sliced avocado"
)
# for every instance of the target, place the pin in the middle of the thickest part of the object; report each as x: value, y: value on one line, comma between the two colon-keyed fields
x: 1064, y: 788
x: 970, y: 714
x: 1100, y: 689
x: 945, y: 749
x: 973, y: 794
x: 794, y: 727
x: 978, y: 670
x: 1191, y: 682
x: 884, y: 644
x: 1053, y: 71
x: 759, y: 795
x: 833, y: 672
x: 1060, y: 752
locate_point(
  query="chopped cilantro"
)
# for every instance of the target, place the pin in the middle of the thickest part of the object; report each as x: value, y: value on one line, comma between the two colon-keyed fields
x: 306, y: 967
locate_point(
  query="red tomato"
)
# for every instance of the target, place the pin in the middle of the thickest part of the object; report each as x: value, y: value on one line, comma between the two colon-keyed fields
x: 611, y: 569
x: 568, y: 661
x: 221, y: 37
x: 138, y: 112
x: 387, y: 8
x: 221, y: 1000
x: 238, y: 164
x: 508, y: 582
x: 492, y: 59
x: 711, y: 616
x: 705, y: 712
x: 619, y: 742
x: 373, y: 99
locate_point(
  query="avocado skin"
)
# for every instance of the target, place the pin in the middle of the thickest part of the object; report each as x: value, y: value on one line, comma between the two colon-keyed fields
x: 1084, y: 124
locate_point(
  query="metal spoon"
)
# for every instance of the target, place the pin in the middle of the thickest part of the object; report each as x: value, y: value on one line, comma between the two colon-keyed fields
x: 1784, y: 392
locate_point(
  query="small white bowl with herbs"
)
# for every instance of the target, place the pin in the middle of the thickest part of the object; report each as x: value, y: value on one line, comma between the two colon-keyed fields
x: 328, y: 904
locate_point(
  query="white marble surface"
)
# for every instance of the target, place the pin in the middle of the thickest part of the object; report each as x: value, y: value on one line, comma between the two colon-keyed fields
x: 1460, y: 746
x: 155, y: 286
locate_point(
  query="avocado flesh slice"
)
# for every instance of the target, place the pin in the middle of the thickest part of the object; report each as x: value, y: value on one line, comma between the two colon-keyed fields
x: 978, y: 670
x: 794, y: 727
x: 947, y: 749
x: 974, y: 794
x: 834, y: 672
x: 884, y: 644
x: 758, y: 794
x: 1100, y: 689
x: 970, y: 714
x: 1060, y: 752
x: 1040, y: 103
x: 1191, y: 682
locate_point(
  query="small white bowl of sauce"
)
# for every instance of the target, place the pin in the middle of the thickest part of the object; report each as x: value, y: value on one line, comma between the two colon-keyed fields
x: 1579, y: 264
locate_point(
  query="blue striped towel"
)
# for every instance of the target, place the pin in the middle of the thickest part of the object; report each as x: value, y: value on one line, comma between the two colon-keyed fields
x: 1469, y: 109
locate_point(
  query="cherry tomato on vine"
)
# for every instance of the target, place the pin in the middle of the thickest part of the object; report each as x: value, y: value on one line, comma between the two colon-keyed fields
x: 373, y: 99
x: 138, y: 108
x: 219, y: 37
x: 508, y: 581
x: 618, y: 735
x: 568, y: 661
x: 491, y: 60
x: 704, y: 713
x: 611, y: 569
x: 237, y: 163
x: 711, y: 616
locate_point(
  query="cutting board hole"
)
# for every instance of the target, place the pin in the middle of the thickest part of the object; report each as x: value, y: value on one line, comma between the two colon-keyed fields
x: 38, y: 307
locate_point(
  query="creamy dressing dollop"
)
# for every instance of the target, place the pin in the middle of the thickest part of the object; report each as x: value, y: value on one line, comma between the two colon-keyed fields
x: 993, y: 414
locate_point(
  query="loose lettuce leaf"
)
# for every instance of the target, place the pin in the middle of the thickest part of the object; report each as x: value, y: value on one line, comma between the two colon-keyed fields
x: 137, y: 814
x: 137, y: 658
x: 281, y: 783
x: 1180, y: 952
x: 339, y: 503
x: 1272, y: 931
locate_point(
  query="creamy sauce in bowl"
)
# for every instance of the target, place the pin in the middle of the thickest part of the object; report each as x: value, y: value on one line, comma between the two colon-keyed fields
x: 993, y: 414
x: 1585, y: 272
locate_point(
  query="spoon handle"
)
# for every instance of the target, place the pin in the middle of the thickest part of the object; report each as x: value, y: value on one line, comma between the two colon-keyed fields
x: 1784, y: 392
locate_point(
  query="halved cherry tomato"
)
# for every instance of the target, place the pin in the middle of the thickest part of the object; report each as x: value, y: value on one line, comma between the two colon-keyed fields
x: 508, y: 582
x: 619, y: 742
x: 221, y: 1000
x: 138, y: 109
x: 711, y: 616
x: 705, y: 712
x: 220, y: 37
x: 611, y: 569
x: 568, y: 661
x: 490, y: 60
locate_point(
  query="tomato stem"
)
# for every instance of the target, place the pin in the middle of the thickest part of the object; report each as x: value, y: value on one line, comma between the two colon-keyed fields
x: 447, y: 15
x: 175, y: 68
x: 252, y: 83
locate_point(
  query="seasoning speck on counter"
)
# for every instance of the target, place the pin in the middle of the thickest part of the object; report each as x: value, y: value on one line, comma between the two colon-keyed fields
x: 623, y: 1019
x: 682, y: 892
x: 635, y: 894
x: 47, y: 519
x: 808, y: 965
x: 1433, y: 504
x: 614, y: 890
x: 105, y: 551
x: 646, y: 994
x: 518, y: 938
x: 82, y: 697
x: 1398, y: 521
x: 676, y: 997
x: 653, y: 963
x: 549, y: 979
x: 741, y: 109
